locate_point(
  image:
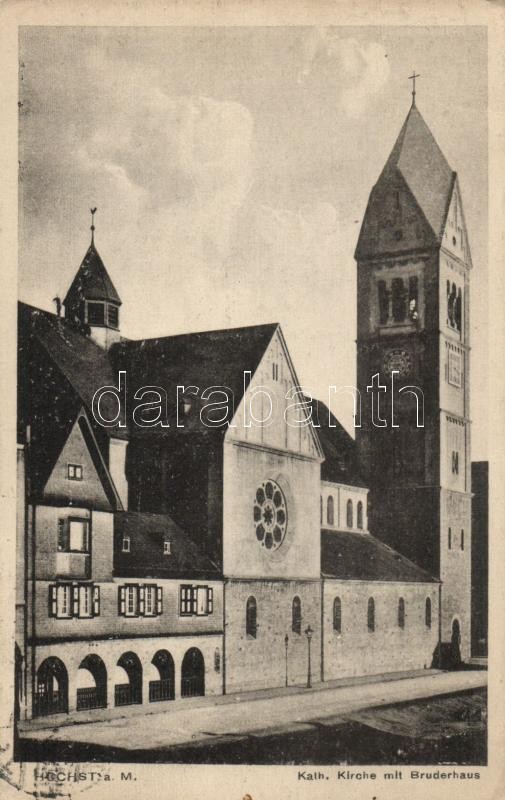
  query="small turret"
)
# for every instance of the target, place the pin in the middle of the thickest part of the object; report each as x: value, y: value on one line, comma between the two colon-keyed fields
x: 92, y: 300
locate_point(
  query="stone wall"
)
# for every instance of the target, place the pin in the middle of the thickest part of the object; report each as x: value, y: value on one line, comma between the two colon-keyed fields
x: 256, y: 663
x: 358, y: 651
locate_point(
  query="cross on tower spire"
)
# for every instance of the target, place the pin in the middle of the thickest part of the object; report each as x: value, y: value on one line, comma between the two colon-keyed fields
x: 93, y: 212
x: 413, y: 79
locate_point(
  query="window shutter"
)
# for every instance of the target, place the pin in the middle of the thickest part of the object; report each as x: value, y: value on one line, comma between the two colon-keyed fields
x: 121, y: 596
x: 210, y: 600
x: 52, y: 600
x: 159, y: 599
x: 96, y: 601
x: 62, y: 535
x: 142, y: 599
x: 75, y: 600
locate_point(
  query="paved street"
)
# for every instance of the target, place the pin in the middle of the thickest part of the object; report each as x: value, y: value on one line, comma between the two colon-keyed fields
x: 247, y: 715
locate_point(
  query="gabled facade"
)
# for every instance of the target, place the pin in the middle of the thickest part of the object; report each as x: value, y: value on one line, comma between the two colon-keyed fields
x: 244, y: 540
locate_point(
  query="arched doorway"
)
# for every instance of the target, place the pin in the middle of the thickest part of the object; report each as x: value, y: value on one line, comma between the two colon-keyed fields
x: 91, y: 683
x: 193, y: 674
x: 164, y: 688
x: 455, y: 644
x: 130, y: 693
x: 51, y: 688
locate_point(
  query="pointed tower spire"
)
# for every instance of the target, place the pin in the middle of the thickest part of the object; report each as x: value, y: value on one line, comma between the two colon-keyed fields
x: 93, y: 212
x: 92, y: 300
x: 413, y: 79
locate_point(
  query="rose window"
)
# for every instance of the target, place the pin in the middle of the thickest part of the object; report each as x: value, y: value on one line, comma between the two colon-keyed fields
x: 270, y: 515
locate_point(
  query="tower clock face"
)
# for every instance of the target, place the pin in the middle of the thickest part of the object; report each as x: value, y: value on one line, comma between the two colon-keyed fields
x: 398, y: 360
x: 270, y: 515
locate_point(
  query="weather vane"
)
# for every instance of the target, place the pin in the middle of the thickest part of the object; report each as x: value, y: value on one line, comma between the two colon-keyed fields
x: 93, y: 212
x: 413, y: 79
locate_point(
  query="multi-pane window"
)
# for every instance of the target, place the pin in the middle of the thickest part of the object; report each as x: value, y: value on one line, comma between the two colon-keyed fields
x: 196, y: 600
x: 68, y: 600
x: 96, y: 313
x: 296, y: 616
x: 337, y: 615
x: 74, y: 472
x: 371, y: 614
x: 401, y: 613
x: 73, y: 535
x: 139, y: 600
x: 151, y: 594
x: 330, y: 511
x: 251, y: 620
x: 125, y: 546
x: 427, y: 612
x: 167, y: 547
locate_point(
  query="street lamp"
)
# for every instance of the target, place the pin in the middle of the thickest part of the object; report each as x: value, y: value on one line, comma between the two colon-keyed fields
x: 286, y: 642
x: 308, y: 634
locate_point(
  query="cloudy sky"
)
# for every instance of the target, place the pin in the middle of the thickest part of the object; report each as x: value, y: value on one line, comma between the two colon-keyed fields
x: 231, y: 169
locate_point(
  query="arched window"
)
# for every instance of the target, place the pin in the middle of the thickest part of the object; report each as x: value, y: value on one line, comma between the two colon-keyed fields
x: 164, y: 687
x: 349, y: 514
x: 457, y: 310
x: 401, y: 613
x: 427, y: 612
x: 330, y: 511
x: 399, y: 298
x: 129, y: 693
x: 251, y: 624
x: 359, y: 514
x: 51, y: 688
x: 296, y: 616
x: 193, y: 673
x: 337, y: 615
x: 91, y: 683
x: 371, y: 614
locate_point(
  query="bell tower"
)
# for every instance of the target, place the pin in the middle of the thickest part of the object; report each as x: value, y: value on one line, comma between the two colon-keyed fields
x: 413, y: 264
x: 92, y: 301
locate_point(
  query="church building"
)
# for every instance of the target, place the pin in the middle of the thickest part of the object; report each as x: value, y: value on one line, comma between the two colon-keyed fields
x: 217, y: 547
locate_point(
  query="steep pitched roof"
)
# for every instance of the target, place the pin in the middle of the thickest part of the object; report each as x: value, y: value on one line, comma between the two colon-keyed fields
x: 92, y: 281
x: 339, y: 448
x: 206, y: 359
x: 358, y: 556
x: 417, y: 166
x: 147, y: 533
x: 85, y: 365
x: 97, y: 485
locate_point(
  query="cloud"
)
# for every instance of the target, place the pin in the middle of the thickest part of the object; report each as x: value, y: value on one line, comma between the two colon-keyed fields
x: 165, y: 151
x: 363, y: 67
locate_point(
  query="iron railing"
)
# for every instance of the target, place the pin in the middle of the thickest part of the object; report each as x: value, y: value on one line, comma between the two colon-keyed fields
x: 90, y: 698
x: 126, y: 694
x: 161, y: 690
x: 192, y: 687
